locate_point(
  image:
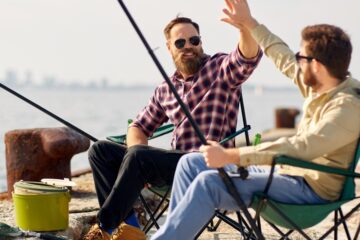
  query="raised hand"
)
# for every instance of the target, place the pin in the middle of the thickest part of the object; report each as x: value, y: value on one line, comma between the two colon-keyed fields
x: 238, y: 14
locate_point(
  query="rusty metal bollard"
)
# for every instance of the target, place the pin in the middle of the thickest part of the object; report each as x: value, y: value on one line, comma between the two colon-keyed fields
x: 285, y: 117
x: 33, y: 154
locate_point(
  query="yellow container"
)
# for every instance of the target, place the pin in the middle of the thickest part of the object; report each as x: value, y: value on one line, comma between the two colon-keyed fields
x: 40, y: 207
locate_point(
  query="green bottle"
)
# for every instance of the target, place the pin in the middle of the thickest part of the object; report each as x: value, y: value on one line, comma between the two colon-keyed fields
x: 257, y: 139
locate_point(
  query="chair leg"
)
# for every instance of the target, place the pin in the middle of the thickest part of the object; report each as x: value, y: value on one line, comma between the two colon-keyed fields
x: 357, y: 233
x: 283, y: 235
x: 336, y: 224
x: 157, y: 213
x: 241, y: 221
x: 151, y: 215
x: 204, y: 227
x: 345, y: 225
x: 246, y: 232
x: 257, y: 217
x: 288, y: 220
x: 244, y: 228
x: 240, y: 226
x: 214, y: 226
x: 336, y: 229
x: 259, y: 223
x: 157, y: 216
x: 211, y: 226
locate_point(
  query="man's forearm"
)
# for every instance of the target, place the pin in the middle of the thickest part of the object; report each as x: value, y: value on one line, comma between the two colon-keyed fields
x: 247, y: 45
x: 135, y: 136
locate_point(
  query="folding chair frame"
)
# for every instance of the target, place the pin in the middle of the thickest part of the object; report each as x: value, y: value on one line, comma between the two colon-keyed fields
x: 339, y: 217
x: 159, y: 210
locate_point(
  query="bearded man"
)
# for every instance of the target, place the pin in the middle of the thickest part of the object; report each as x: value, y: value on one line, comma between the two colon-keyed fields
x: 209, y: 86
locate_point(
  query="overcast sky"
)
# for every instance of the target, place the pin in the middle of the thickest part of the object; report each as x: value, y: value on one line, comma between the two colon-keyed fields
x: 88, y: 40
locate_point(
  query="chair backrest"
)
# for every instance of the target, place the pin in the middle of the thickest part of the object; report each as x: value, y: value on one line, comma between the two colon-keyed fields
x: 349, y: 185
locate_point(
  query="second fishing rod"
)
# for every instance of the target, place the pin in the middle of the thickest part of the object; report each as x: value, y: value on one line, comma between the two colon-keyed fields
x: 224, y: 176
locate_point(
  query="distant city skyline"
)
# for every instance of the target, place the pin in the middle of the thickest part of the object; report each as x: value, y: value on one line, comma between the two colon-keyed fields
x: 14, y: 81
x: 87, y: 42
x: 13, y: 78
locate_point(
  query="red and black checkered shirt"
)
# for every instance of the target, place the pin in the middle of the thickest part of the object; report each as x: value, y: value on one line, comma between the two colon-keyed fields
x: 211, y: 95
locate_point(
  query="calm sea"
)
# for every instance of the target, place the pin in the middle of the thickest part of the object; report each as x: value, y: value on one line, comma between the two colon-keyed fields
x: 103, y: 113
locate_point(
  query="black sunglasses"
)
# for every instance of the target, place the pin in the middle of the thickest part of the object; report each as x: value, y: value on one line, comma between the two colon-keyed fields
x: 298, y: 57
x: 180, y: 43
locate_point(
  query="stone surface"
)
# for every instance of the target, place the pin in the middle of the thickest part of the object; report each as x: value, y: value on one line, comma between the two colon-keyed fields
x: 84, y: 206
x: 33, y: 154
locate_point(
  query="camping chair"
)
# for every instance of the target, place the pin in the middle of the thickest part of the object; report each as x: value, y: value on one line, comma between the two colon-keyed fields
x: 299, y: 217
x: 164, y: 192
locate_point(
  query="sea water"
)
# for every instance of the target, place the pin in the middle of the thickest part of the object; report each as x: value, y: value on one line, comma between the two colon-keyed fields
x: 104, y: 112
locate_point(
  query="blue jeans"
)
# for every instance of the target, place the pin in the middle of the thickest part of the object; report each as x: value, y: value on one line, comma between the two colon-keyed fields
x: 198, y: 191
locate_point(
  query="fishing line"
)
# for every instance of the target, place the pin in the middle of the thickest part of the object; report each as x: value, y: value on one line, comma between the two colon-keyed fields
x: 226, y: 179
x: 66, y: 123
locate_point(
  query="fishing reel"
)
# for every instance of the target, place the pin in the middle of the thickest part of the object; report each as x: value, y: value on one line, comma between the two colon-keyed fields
x: 243, y: 172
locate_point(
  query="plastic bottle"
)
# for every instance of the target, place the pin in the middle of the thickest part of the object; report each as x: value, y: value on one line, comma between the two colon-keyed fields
x: 257, y: 139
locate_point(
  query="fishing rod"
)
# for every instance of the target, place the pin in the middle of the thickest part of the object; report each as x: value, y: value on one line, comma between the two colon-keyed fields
x: 224, y: 176
x: 66, y: 123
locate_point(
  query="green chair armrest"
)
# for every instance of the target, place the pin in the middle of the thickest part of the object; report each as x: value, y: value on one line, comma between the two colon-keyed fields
x: 118, y: 139
x: 287, y: 160
x: 231, y: 136
x: 162, y: 130
x: 159, y: 132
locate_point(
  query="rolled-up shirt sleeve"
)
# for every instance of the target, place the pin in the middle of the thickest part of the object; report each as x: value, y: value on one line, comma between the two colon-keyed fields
x: 235, y: 68
x: 151, y: 117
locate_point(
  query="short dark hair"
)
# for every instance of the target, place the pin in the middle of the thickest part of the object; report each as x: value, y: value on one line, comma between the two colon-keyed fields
x: 331, y: 46
x: 178, y: 20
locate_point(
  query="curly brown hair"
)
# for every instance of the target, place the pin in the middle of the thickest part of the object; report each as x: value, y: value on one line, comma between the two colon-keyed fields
x: 178, y: 20
x: 331, y: 46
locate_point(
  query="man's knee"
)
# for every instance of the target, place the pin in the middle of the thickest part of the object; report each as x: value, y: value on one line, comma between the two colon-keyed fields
x: 106, y: 152
x: 192, y: 162
x: 141, y: 160
x: 95, y: 150
x: 138, y: 150
x: 137, y: 156
x: 206, y: 177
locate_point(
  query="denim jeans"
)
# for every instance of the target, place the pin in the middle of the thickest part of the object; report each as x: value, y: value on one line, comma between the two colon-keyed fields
x: 198, y: 191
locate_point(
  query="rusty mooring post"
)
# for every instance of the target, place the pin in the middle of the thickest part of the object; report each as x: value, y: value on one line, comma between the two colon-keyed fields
x: 33, y: 154
x: 285, y: 117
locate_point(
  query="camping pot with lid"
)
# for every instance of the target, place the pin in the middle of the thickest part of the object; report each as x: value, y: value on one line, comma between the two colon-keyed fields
x: 41, y: 207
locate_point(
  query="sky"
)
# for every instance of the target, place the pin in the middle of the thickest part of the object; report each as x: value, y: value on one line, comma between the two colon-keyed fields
x: 92, y: 40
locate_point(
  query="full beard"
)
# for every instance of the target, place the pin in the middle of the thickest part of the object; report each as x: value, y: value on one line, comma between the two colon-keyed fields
x: 189, y: 66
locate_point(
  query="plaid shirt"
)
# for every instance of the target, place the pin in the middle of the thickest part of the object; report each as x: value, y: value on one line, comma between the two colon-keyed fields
x: 211, y: 95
